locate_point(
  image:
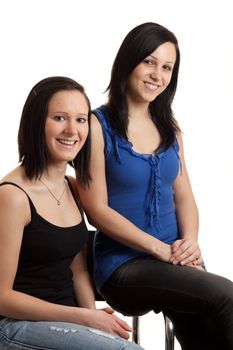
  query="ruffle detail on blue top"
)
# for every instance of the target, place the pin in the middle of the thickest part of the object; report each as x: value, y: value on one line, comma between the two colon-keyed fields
x: 154, y: 191
x: 113, y: 140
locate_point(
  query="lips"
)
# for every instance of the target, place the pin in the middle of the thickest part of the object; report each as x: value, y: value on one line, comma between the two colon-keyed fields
x: 151, y: 86
x: 67, y: 142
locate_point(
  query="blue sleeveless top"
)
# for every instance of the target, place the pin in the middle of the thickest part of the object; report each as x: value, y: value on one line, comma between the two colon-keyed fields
x: 139, y: 188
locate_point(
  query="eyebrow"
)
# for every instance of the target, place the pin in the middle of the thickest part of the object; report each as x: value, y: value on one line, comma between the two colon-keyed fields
x: 157, y: 59
x: 62, y: 112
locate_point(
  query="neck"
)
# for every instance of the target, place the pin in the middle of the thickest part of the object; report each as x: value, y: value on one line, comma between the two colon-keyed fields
x: 139, y: 115
x: 54, y: 174
x: 138, y: 111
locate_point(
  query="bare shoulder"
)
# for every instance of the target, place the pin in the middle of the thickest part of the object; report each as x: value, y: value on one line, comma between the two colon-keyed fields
x: 14, y: 200
x: 95, y: 124
x: 96, y: 133
x: 12, y: 195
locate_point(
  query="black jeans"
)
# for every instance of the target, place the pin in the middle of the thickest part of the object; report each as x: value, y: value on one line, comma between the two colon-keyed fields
x: 199, y: 303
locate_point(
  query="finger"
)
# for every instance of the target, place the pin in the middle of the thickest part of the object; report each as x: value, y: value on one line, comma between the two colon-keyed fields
x: 115, y: 328
x: 187, y: 261
x: 192, y: 252
x: 108, y: 309
x: 182, y: 258
x: 175, y: 245
x: 123, y: 334
x: 180, y: 251
x: 198, y: 261
x: 194, y: 258
x: 124, y: 325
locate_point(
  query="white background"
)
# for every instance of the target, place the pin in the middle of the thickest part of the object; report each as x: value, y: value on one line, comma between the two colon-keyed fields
x: 79, y: 39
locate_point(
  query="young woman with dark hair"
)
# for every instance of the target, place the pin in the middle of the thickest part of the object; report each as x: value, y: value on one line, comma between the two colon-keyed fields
x: 46, y: 295
x: 147, y: 255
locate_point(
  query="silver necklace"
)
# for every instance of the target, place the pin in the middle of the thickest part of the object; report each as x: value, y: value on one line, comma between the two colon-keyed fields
x: 58, y: 200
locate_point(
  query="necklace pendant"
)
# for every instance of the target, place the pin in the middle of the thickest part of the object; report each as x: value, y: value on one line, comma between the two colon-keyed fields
x: 58, y: 200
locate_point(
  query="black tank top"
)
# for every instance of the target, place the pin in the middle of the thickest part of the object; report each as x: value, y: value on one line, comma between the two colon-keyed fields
x: 46, y: 254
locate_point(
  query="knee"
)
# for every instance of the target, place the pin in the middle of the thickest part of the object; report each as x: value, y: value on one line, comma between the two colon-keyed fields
x: 221, y: 295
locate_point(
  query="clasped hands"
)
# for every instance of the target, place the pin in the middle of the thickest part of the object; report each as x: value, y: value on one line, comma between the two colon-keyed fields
x: 186, y: 252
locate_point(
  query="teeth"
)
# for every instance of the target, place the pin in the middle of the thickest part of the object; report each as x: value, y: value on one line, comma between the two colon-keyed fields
x: 67, y: 142
x: 151, y: 86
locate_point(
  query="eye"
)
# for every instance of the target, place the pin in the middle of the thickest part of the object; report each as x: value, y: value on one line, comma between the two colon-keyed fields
x: 59, y: 118
x: 148, y: 61
x: 168, y: 68
x: 82, y: 119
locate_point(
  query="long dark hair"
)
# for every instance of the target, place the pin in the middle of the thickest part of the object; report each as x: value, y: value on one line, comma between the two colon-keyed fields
x: 33, y: 153
x: 139, y: 43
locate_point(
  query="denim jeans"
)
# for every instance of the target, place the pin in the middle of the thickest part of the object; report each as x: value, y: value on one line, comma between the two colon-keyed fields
x: 199, y: 303
x: 17, y: 335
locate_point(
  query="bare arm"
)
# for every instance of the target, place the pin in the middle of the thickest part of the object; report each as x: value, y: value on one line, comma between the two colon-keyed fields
x: 83, y: 287
x: 82, y: 281
x: 14, y: 216
x: 186, y: 250
x: 95, y: 202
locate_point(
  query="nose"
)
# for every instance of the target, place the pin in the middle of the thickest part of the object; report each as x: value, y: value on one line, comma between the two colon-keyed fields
x: 71, y: 128
x: 157, y: 73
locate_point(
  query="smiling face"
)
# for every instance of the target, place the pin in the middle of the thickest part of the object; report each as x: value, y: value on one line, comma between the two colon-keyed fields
x: 66, y: 125
x: 151, y: 77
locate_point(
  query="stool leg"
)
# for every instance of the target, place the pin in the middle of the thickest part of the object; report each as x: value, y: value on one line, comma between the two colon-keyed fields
x: 135, y: 333
x: 169, y: 333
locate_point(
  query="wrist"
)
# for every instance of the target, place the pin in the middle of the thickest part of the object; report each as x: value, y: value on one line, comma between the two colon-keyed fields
x: 161, y: 250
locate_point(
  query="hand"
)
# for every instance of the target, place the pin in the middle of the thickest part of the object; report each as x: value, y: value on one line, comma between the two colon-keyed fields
x: 186, y: 252
x: 107, y: 322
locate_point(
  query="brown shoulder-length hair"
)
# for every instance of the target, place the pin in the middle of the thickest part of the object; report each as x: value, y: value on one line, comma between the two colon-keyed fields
x: 33, y: 153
